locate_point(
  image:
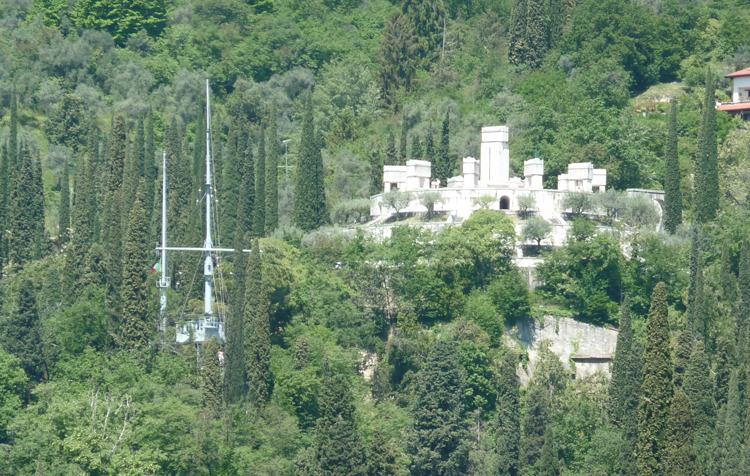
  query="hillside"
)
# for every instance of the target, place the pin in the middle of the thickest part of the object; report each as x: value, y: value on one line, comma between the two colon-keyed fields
x: 360, y: 352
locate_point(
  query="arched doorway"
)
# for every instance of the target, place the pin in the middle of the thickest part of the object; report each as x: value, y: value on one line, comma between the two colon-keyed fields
x: 504, y: 203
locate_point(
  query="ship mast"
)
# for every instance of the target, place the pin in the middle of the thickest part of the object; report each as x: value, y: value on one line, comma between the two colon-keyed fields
x: 208, y: 266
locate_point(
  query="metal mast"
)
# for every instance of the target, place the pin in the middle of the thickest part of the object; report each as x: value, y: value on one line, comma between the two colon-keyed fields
x: 208, y: 267
x: 164, y: 281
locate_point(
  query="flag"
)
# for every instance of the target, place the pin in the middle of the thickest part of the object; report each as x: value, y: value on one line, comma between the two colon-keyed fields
x: 156, y: 268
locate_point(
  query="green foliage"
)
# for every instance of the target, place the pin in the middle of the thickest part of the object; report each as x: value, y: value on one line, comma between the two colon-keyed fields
x: 211, y: 375
x: 439, y: 443
x: 272, y: 173
x: 507, y: 421
x: 23, y: 219
x: 681, y: 457
x: 382, y: 456
x: 257, y: 331
x: 136, y: 322
x: 66, y: 126
x: 707, y: 174
x: 122, y: 19
x: 578, y: 202
x: 259, y: 219
x: 22, y: 333
x: 536, y: 229
x: 586, y: 273
x: 672, y: 194
x: 733, y: 432
x: 480, y: 309
x: 14, y: 381
x: 657, y: 388
x: 309, y: 196
x: 63, y: 234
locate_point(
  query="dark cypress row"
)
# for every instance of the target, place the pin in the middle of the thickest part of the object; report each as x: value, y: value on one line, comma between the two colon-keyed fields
x: 309, y: 202
x: 259, y: 220
x: 682, y: 459
x: 507, y: 421
x: 672, y: 194
x: 63, y: 235
x: 136, y: 323
x: 439, y: 445
x: 707, y: 177
x: 443, y: 163
x: 657, y: 388
x: 257, y: 333
x: 272, y: 173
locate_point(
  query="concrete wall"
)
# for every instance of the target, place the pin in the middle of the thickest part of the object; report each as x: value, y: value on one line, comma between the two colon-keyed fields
x: 567, y: 337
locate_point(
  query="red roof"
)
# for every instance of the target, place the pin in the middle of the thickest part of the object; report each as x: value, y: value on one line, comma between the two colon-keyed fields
x: 739, y: 74
x: 737, y: 107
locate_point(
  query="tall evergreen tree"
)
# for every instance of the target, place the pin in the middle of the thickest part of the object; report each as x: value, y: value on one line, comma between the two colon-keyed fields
x: 391, y: 155
x: 64, y: 211
x: 231, y: 193
x: 707, y: 169
x: 211, y: 375
x: 416, y: 148
x: 382, y: 456
x: 672, y: 194
x: 150, y: 171
x: 21, y: 334
x: 82, y: 236
x: 259, y: 220
x: 21, y: 221
x: 247, y: 172
x: 723, y: 365
x: 272, y: 173
x: 536, y: 32
x: 681, y: 458
x: 41, y: 240
x: 338, y: 446
x: 695, y: 287
x: 443, y: 161
x: 682, y: 353
x: 309, y: 195
x: 536, y: 418
x: 235, y: 355
x: 549, y: 463
x: 136, y: 322
x: 376, y: 172
x: 257, y: 335
x: 517, y: 45
x: 733, y: 432
x: 698, y: 387
x: 15, y: 157
x: 743, y: 300
x: 429, y: 152
x: 402, y: 142
x: 507, y: 421
x: 657, y: 388
x: 439, y: 445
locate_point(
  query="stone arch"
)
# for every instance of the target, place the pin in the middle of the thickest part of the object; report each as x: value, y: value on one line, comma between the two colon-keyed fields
x: 505, y: 202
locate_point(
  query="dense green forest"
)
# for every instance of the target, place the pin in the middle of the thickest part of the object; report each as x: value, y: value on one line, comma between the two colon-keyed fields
x: 310, y: 100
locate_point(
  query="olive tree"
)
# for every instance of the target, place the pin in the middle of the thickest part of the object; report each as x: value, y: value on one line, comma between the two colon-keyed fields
x: 526, y: 204
x: 485, y: 201
x: 536, y: 229
x: 640, y: 212
x: 429, y: 200
x: 612, y: 203
x: 397, y: 200
x: 577, y: 202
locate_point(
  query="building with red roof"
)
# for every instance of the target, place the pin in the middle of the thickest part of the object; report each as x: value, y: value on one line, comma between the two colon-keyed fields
x: 740, y: 94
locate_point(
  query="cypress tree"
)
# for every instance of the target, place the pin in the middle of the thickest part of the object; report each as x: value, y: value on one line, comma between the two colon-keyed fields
x: 136, y: 321
x: 517, y: 46
x: 21, y: 334
x: 439, y: 445
x: 548, y: 464
x: 230, y: 195
x: 535, y: 421
x: 259, y: 220
x: 21, y: 221
x: 338, y: 446
x: 150, y: 171
x: 4, y: 193
x: 443, y: 162
x: 695, y: 286
x: 391, y: 157
x: 247, y: 172
x: 382, y: 456
x: 211, y: 375
x: 81, y: 239
x: 672, y: 194
x: 235, y: 354
x: 682, y: 353
x: 416, y: 148
x: 536, y: 32
x: 682, y: 459
x: 733, y: 432
x: 116, y: 156
x: 723, y: 364
x: 657, y: 388
x: 698, y: 387
x: 41, y: 241
x: 402, y: 142
x: 507, y: 420
x: 429, y: 153
x: 743, y: 299
x: 257, y: 335
x: 272, y: 174
x: 309, y: 196
x: 301, y: 352
x: 63, y: 235
x: 130, y: 181
x: 15, y: 157
x: 707, y: 176
x: 376, y: 172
